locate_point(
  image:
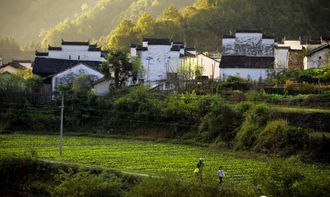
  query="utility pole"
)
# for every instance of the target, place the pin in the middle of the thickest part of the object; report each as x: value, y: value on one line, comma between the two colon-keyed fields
x: 61, y: 129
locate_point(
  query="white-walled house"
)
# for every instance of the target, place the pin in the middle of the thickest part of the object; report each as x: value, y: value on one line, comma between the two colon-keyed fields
x: 15, y: 66
x: 317, y: 57
x: 161, y: 58
x: 288, y: 56
x: 67, y: 76
x: 248, y: 54
x: 210, y: 66
x: 70, y: 57
x: 73, y: 51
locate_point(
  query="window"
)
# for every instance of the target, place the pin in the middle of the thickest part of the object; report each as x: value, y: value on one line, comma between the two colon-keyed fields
x: 69, y: 57
x: 78, y: 57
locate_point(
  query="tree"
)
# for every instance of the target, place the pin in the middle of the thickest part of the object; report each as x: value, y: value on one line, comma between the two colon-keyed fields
x: 123, y: 36
x: 145, y: 26
x: 119, y: 67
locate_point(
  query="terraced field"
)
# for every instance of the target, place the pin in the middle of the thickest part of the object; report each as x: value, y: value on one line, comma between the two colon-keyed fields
x: 134, y: 156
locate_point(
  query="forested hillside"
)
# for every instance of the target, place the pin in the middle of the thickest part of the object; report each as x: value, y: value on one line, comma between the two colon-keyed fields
x: 117, y: 23
x: 104, y: 17
x: 202, y: 24
x: 24, y: 19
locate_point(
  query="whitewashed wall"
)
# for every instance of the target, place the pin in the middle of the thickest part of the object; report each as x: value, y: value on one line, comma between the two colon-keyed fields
x: 66, y: 77
x: 76, y: 53
x: 249, y: 44
x: 314, y: 60
x: 246, y: 73
x: 158, y: 60
x: 210, y: 67
x: 102, y: 88
x: 281, y: 59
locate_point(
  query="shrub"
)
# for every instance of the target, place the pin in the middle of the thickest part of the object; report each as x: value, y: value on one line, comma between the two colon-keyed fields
x: 86, y: 184
x: 279, y: 137
x: 176, y: 187
x: 243, y: 107
x: 236, y: 83
x: 258, y: 114
x: 287, y: 178
x: 318, y: 148
x: 246, y: 136
x: 222, y: 121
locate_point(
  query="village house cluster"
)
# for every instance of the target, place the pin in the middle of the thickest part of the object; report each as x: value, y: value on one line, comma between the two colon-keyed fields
x: 252, y: 55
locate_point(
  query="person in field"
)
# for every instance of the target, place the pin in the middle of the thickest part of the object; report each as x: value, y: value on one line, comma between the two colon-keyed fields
x: 221, y: 174
x: 199, y: 169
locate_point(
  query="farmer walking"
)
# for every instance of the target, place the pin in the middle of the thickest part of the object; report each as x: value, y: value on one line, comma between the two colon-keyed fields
x: 221, y: 174
x: 199, y: 168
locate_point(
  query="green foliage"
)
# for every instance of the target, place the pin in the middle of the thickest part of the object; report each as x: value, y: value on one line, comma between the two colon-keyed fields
x: 246, y: 136
x: 82, y: 83
x: 312, y: 75
x: 174, y: 186
x: 259, y: 114
x: 289, y: 178
x: 279, y: 137
x: 121, y: 66
x: 86, y: 184
x: 222, y: 121
x: 236, y: 83
x: 318, y: 147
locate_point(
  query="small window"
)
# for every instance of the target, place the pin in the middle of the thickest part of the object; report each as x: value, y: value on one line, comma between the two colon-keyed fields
x: 78, y: 57
x: 69, y: 57
x: 320, y: 57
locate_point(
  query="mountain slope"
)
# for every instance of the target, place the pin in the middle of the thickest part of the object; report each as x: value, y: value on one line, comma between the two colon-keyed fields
x: 104, y: 17
x: 24, y: 19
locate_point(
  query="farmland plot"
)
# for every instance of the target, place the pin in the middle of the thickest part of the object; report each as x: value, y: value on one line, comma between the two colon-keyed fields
x: 134, y: 156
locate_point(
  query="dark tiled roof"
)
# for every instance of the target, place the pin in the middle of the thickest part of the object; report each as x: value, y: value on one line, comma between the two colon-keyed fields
x: 41, y: 53
x: 318, y: 49
x: 175, y: 48
x: 246, y: 62
x: 75, y: 43
x: 155, y: 41
x: 190, y: 49
x: 15, y: 65
x: 248, y: 31
x: 50, y: 66
x: 228, y: 36
x: 94, y: 49
x: 266, y: 36
x: 187, y: 54
x: 50, y: 48
x: 139, y: 47
x: 22, y: 61
x: 311, y: 42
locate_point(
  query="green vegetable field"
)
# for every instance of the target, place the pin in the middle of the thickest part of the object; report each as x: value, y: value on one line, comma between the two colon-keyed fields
x: 135, y: 156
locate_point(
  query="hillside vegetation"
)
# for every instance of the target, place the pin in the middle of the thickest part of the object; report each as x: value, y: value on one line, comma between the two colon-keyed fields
x: 25, y: 19
x: 201, y: 19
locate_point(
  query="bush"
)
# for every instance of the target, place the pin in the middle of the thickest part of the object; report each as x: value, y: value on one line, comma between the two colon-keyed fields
x: 236, y: 83
x: 86, y: 184
x: 222, y: 121
x: 288, y: 178
x: 279, y: 137
x: 258, y: 114
x: 247, y: 136
x: 176, y: 187
x: 318, y: 148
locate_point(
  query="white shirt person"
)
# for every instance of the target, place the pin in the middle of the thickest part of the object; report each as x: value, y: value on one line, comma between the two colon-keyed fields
x: 221, y: 174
